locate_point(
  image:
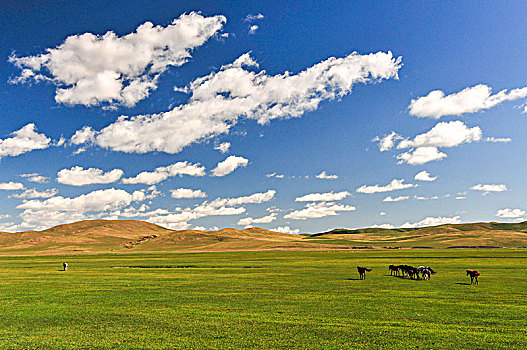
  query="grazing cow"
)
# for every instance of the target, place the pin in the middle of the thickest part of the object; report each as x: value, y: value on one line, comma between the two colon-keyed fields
x: 473, y: 276
x: 65, y: 266
x: 394, y: 269
x: 362, y: 271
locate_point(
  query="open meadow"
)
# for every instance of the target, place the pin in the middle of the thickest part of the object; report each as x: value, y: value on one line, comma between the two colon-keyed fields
x: 265, y: 300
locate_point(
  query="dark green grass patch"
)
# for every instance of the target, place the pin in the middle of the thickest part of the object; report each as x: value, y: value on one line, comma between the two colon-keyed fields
x: 292, y: 300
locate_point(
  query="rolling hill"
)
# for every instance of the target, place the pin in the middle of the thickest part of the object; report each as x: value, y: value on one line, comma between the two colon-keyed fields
x: 132, y: 236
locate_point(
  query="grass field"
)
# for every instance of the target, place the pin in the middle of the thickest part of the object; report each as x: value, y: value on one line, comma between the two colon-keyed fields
x: 264, y: 300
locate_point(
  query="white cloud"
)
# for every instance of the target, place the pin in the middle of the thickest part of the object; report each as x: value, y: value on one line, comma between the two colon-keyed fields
x: 24, y: 140
x: 387, y: 142
x: 444, y: 134
x: 421, y: 198
x: 397, y: 199
x: 33, y: 193
x: 219, y: 99
x: 278, y: 176
x: 253, y: 29
x: 34, y: 177
x: 255, y: 198
x: 229, y: 165
x: 323, y: 175
x: 164, y: 172
x: 421, y: 155
x: 263, y: 220
x: 318, y: 210
x: 11, y: 186
x: 385, y: 226
x: 433, y: 221
x: 461, y: 197
x: 382, y: 213
x: 323, y: 197
x: 187, y: 193
x: 91, y: 69
x: 223, y: 147
x: 285, y: 229
x: 496, y: 140
x: 251, y: 18
x: 78, y: 176
x: 394, y: 185
x: 489, y: 188
x: 470, y: 100
x: 424, y: 176
x: 96, y: 201
x: 510, y: 213
x: 84, y: 135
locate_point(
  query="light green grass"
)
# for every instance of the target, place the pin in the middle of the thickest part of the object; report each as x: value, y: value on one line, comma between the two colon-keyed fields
x: 264, y: 300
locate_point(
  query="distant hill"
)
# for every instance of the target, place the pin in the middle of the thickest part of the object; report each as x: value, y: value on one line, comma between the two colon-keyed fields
x: 128, y: 236
x: 132, y: 236
x: 490, y: 234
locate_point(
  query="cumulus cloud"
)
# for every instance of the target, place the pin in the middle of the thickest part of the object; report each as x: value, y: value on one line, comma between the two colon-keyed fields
x: 218, y: 100
x: 486, y: 188
x: 323, y: 197
x: 91, y: 69
x: 318, y: 210
x: 253, y: 29
x: 278, y: 176
x: 34, y: 193
x: 84, y: 135
x: 101, y: 200
x: 285, y: 229
x: 179, y: 220
x: 223, y: 147
x: 251, y: 18
x: 433, y: 221
x: 187, y: 193
x: 424, y: 176
x: 255, y: 198
x: 34, y: 177
x: 78, y: 176
x: 498, y: 139
x: 387, y: 142
x: 444, y: 134
x: 510, y: 213
x: 394, y: 185
x: 397, y: 199
x: 470, y: 100
x: 229, y: 165
x: 24, y: 140
x: 11, y: 186
x: 421, y: 155
x: 164, y: 172
x: 263, y: 220
x: 324, y: 175
x: 385, y: 226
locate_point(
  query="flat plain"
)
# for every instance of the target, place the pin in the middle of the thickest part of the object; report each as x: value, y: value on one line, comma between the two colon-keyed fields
x: 264, y: 300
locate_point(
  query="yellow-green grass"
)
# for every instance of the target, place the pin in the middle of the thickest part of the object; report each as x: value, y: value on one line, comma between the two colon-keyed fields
x: 264, y: 300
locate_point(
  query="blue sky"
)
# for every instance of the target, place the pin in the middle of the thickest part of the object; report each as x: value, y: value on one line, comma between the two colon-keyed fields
x: 298, y: 117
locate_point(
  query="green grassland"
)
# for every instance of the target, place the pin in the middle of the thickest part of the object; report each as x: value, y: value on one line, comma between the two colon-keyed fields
x: 264, y: 300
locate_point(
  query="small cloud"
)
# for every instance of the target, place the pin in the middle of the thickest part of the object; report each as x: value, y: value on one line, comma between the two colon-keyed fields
x: 223, y: 147
x: 286, y: 229
x: 382, y: 213
x: 489, y: 188
x: 253, y: 29
x: 424, y: 176
x: 498, y: 139
x: 229, y: 165
x: 252, y: 18
x: 510, y: 213
x: 397, y: 199
x: 324, y: 175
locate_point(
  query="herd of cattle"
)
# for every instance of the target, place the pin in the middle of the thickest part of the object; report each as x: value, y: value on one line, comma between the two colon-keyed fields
x: 414, y: 272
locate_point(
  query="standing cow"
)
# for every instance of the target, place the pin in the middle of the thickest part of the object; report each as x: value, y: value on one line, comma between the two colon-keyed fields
x: 65, y: 266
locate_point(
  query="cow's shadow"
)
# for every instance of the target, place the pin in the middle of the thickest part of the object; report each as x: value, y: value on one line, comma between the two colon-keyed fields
x: 463, y: 284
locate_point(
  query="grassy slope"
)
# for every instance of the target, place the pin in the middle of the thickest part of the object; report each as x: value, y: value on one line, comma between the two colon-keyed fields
x: 478, y: 234
x: 126, y: 236
x: 301, y: 300
x: 96, y: 236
